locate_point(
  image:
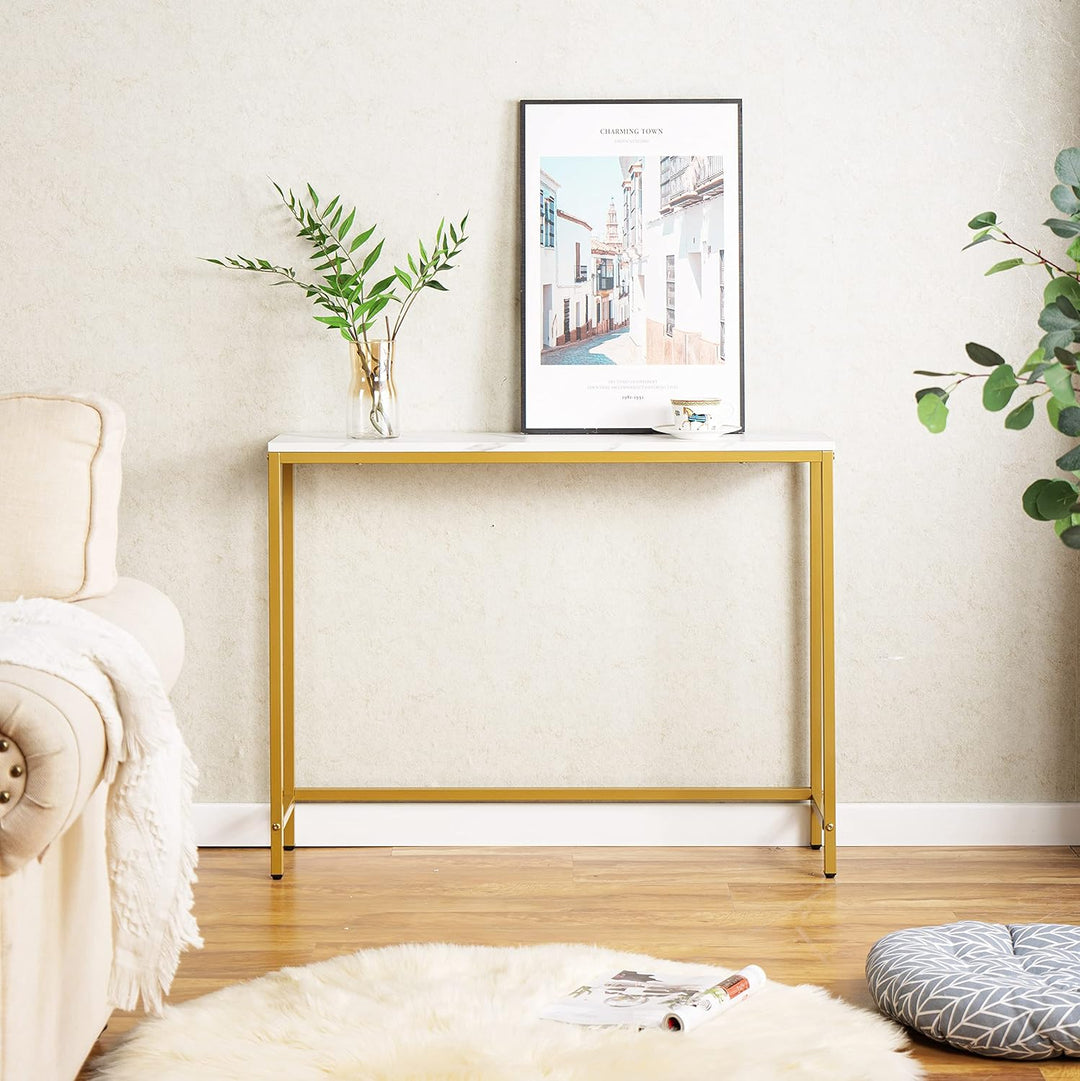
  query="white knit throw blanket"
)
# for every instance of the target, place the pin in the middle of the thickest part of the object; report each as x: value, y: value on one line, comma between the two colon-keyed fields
x: 150, y: 836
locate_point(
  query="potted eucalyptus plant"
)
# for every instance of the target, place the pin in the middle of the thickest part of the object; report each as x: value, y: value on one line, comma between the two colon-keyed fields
x: 1050, y: 372
x: 368, y: 311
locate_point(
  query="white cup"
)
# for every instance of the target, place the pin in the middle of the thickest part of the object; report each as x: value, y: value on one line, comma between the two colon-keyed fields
x: 695, y: 414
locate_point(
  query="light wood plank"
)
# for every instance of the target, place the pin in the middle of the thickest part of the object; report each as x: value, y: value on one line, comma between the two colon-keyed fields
x: 722, y: 906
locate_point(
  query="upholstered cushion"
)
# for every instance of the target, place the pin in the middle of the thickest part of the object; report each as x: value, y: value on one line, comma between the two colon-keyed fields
x: 1005, y: 991
x: 59, y: 495
x: 148, y: 616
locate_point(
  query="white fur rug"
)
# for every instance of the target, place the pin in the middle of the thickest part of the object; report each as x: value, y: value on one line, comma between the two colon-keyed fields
x: 469, y: 1013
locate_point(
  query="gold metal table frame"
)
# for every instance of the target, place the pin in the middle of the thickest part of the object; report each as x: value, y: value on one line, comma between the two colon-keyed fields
x: 286, y: 451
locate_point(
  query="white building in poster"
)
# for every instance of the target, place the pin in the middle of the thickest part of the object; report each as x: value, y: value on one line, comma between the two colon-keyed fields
x: 610, y: 294
x: 673, y: 236
x: 565, y: 257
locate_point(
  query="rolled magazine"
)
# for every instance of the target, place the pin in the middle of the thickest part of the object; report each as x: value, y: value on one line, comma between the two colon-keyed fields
x: 636, y: 999
x: 702, y: 1005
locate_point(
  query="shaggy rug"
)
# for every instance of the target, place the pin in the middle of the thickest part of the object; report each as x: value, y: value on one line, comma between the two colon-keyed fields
x: 470, y: 1013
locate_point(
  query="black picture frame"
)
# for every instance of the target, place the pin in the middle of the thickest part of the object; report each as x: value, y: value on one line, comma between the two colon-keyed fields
x: 609, y: 332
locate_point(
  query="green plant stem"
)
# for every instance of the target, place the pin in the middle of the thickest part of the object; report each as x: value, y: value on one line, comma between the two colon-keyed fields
x: 1038, y: 255
x: 349, y: 312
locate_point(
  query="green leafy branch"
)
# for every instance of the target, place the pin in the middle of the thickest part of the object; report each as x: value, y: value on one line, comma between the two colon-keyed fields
x: 426, y: 269
x: 344, y: 290
x: 1053, y: 365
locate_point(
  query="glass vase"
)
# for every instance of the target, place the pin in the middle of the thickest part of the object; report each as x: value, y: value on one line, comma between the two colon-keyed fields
x: 372, y: 408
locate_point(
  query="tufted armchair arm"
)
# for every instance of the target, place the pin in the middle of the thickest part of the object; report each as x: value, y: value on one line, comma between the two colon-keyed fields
x: 52, y: 739
x: 52, y: 751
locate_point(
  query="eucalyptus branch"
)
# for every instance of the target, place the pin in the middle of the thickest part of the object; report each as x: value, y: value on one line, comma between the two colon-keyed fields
x: 1038, y: 255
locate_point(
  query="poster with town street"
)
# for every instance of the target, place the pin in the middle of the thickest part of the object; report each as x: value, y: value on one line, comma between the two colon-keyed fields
x: 632, y: 290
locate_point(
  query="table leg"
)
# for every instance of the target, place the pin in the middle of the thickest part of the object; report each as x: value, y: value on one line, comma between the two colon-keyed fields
x: 828, y: 663
x: 288, y: 778
x: 816, y: 772
x: 275, y: 485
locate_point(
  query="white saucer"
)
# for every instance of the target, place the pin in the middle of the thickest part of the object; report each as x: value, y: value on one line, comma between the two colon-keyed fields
x: 671, y: 429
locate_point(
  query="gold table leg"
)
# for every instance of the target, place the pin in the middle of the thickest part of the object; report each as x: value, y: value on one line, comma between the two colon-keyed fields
x: 828, y: 664
x: 275, y: 523
x: 817, y: 802
x: 288, y: 778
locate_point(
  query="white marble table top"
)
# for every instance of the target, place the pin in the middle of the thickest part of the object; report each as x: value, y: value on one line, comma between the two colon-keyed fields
x: 515, y: 442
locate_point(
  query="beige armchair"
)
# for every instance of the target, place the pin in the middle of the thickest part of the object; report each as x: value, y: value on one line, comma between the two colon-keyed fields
x: 59, y: 497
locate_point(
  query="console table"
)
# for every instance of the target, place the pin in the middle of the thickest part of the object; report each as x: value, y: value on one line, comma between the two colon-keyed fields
x: 286, y: 451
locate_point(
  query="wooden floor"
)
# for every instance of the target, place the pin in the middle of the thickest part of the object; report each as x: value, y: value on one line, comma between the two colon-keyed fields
x: 723, y: 906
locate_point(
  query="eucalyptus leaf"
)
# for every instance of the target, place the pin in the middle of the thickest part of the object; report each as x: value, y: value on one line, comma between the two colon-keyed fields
x: 1031, y: 500
x: 1073, y: 250
x: 1021, y: 416
x: 983, y: 355
x: 1065, y: 306
x: 1054, y: 318
x: 1054, y: 340
x: 1054, y: 409
x: 1064, y: 198
x: 980, y: 221
x: 1070, y: 460
x: 1032, y: 361
x: 999, y: 388
x: 1005, y: 264
x: 1067, y: 167
x: 942, y: 394
x: 1068, y: 420
x: 1062, y: 285
x: 933, y: 413
x: 1059, y: 380
x: 1063, y: 227
x: 1071, y: 537
x: 1055, y: 499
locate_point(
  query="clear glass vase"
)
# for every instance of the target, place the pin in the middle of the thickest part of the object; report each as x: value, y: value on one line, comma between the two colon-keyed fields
x: 372, y: 408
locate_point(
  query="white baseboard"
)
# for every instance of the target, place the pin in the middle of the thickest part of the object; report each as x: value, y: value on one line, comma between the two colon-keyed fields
x: 403, y: 825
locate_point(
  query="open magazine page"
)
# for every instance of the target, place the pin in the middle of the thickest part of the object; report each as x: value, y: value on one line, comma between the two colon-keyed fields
x: 640, y: 999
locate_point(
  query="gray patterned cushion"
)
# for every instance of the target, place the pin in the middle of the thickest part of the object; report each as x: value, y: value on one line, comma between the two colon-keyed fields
x: 1006, y: 991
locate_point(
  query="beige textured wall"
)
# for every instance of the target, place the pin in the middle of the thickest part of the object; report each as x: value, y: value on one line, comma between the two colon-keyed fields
x: 527, y: 626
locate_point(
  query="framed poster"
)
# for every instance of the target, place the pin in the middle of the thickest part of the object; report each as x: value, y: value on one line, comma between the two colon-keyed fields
x: 632, y: 280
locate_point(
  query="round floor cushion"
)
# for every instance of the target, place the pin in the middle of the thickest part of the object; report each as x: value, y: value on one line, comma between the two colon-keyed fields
x: 1002, y: 990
